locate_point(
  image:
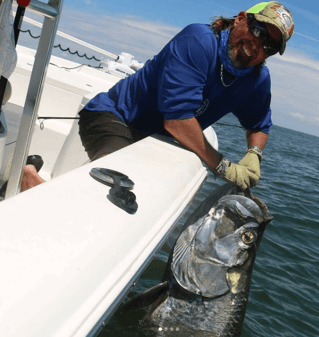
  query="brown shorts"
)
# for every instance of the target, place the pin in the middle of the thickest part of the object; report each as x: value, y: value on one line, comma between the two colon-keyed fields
x: 103, y: 132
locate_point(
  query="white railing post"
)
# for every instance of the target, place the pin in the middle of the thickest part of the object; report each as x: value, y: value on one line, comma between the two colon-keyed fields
x: 51, y: 11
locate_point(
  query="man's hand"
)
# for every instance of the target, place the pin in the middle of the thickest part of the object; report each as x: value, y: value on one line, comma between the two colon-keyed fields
x: 244, y: 174
x: 251, y: 161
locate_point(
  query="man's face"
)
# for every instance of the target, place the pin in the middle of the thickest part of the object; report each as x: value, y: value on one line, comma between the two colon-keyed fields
x: 245, y: 49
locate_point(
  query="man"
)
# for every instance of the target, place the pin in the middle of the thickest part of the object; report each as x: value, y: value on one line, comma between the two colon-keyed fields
x: 202, y: 74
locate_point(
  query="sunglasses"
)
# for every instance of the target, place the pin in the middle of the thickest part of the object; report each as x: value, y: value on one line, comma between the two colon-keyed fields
x: 270, y: 45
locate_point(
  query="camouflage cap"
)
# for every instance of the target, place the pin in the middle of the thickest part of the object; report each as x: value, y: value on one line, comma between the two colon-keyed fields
x: 275, y: 13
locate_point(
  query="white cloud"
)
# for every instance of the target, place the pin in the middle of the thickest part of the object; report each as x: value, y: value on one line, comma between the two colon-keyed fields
x: 307, y: 37
x: 88, y: 2
x: 116, y: 34
x: 308, y: 14
x: 297, y: 57
x: 295, y: 87
x: 296, y: 115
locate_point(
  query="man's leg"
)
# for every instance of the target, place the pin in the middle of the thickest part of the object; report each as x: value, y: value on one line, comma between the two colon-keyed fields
x: 103, y: 133
x: 30, y: 178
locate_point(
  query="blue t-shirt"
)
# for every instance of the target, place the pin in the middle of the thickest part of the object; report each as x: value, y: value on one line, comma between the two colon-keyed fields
x: 184, y: 81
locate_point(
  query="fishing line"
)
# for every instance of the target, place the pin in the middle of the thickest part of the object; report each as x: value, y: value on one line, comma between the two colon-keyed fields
x: 225, y: 124
x: 11, y: 143
x: 81, y: 65
x: 42, y: 119
x: 98, y: 67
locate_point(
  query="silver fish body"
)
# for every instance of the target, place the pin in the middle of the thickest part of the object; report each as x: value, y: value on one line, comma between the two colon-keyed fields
x: 210, y: 268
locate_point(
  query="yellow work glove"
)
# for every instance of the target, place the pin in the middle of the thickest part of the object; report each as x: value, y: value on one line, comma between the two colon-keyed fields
x: 244, y: 174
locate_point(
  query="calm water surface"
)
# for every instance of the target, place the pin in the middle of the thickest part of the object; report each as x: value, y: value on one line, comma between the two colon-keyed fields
x: 284, y: 296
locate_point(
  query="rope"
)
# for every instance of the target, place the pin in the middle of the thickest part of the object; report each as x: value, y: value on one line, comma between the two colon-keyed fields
x: 77, y: 53
x: 71, y: 38
x: 65, y: 50
x: 29, y: 31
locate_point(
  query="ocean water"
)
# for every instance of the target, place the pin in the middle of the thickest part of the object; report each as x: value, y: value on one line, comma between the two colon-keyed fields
x: 284, y: 295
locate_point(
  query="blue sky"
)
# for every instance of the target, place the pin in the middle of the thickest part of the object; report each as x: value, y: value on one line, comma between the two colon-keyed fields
x: 142, y: 28
x: 179, y: 13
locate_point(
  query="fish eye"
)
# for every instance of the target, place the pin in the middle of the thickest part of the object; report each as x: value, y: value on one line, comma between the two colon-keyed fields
x: 248, y: 238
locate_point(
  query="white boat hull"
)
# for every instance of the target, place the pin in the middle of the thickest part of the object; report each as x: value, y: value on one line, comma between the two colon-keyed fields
x: 69, y: 255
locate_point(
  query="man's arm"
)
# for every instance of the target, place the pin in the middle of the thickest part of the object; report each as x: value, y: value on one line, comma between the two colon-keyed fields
x: 256, y: 138
x: 189, y: 133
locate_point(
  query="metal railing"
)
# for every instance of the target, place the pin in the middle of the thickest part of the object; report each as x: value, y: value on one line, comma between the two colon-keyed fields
x: 52, y: 12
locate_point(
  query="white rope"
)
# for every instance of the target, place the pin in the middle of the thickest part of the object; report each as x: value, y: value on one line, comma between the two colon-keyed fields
x: 71, y: 38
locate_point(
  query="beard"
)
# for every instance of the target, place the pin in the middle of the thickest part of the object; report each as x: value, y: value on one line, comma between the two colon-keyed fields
x: 236, y: 58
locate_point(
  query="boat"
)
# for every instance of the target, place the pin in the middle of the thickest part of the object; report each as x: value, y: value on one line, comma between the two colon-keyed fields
x: 70, y: 251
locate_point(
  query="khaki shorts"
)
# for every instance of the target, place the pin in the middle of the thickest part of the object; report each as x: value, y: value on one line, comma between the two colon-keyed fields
x: 103, y: 132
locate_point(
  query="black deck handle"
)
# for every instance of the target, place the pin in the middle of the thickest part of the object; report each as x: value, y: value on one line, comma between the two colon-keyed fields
x: 120, y: 194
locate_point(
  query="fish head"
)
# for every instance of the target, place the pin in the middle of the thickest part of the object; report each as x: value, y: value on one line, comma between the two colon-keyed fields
x: 215, y: 255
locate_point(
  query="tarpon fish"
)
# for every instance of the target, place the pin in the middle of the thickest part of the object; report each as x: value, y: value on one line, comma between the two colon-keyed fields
x: 206, y: 284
